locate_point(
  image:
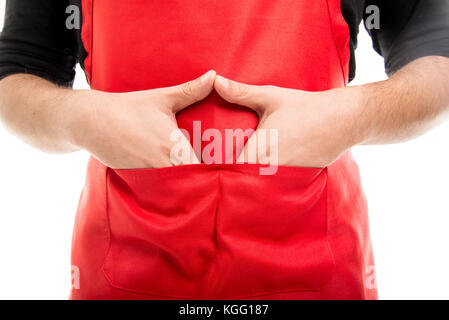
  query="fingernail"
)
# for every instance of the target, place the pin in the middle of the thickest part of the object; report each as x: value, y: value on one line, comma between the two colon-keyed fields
x: 223, y: 82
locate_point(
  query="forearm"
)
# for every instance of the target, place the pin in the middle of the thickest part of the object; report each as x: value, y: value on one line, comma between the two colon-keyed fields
x: 411, y: 102
x: 40, y: 113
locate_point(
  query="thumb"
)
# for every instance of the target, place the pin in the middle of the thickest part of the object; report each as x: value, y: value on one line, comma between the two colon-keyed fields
x: 186, y: 94
x: 258, y: 98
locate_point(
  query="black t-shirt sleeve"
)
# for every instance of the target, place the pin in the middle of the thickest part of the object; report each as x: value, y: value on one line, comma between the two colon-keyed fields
x: 35, y: 41
x: 410, y: 30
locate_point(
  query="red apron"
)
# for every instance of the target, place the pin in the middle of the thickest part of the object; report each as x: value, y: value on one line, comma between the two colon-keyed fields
x: 220, y: 231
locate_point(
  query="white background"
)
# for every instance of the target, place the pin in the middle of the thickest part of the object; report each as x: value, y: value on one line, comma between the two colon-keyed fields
x: 406, y: 186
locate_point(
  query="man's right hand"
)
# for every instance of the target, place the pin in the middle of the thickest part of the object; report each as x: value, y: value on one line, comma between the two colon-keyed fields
x: 132, y: 130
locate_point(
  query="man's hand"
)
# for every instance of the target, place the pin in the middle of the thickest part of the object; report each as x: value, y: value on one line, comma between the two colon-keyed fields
x: 133, y: 130
x: 314, y: 128
x: 124, y: 129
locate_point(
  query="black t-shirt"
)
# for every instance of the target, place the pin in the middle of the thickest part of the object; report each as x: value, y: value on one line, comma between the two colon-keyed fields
x: 35, y: 38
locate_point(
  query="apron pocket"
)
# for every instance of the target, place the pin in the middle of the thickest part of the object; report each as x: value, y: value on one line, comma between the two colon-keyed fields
x: 272, y: 232
x: 161, y: 229
x: 217, y: 231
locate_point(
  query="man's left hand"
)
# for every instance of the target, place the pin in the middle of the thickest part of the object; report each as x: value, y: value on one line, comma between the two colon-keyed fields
x: 314, y: 128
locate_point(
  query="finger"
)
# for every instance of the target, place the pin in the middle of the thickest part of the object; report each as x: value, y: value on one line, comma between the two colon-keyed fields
x: 181, y: 153
x: 250, y: 152
x: 186, y: 94
x: 262, y: 147
x: 258, y: 98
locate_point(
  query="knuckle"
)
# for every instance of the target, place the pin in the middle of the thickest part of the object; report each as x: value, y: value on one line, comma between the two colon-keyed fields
x: 187, y: 89
x: 242, y: 91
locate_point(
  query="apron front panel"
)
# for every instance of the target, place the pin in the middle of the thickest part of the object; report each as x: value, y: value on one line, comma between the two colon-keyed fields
x: 220, y: 231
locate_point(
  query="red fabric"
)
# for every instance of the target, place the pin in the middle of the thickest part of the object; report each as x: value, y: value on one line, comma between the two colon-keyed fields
x: 220, y: 231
